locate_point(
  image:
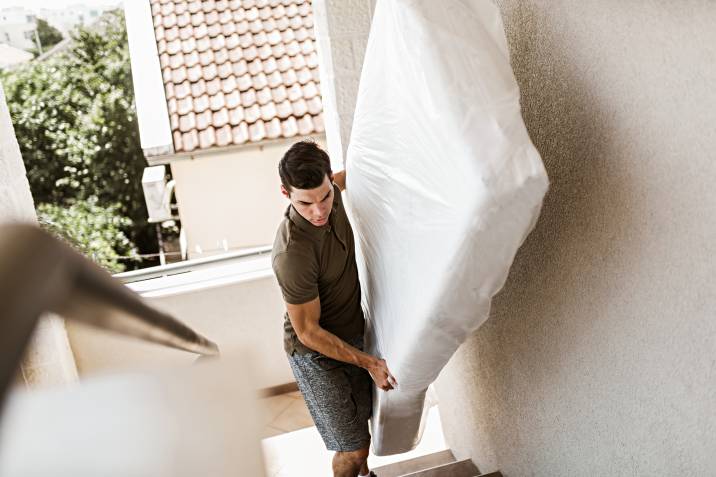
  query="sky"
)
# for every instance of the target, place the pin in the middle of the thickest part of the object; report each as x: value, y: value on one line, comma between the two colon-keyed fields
x: 54, y: 4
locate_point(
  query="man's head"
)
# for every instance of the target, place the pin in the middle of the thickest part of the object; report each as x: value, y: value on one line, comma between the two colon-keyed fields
x: 307, y: 181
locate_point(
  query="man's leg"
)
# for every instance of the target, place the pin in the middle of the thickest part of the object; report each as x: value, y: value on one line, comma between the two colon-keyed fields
x: 350, y: 464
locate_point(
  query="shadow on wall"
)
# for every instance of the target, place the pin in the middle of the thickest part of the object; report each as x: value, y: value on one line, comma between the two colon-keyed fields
x: 552, y: 378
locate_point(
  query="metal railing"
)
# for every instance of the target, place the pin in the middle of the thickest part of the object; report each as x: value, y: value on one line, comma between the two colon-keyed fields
x: 39, y: 274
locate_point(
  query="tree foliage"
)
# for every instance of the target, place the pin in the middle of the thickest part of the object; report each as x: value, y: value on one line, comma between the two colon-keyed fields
x: 49, y: 36
x: 75, y: 121
x: 96, y: 231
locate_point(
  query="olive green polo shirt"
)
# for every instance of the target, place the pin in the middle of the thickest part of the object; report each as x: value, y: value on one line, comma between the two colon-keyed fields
x: 312, y: 262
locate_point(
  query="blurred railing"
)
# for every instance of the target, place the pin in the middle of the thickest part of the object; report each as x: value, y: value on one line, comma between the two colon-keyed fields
x: 39, y: 274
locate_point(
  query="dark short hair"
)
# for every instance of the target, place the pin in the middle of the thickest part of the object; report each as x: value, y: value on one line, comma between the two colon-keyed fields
x: 304, y: 166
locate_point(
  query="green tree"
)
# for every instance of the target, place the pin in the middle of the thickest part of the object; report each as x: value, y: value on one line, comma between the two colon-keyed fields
x: 49, y: 36
x: 97, y: 232
x: 76, y: 124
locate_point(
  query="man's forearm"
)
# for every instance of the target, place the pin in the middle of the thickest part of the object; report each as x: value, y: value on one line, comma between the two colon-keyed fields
x: 330, y: 345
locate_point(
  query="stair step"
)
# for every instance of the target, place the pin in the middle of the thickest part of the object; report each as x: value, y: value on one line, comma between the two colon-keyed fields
x: 463, y: 468
x: 410, y: 466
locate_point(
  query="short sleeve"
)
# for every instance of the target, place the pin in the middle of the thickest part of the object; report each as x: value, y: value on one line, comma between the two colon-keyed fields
x: 297, y: 277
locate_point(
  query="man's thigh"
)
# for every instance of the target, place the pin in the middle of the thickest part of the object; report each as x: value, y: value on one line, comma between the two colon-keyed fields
x: 338, y: 396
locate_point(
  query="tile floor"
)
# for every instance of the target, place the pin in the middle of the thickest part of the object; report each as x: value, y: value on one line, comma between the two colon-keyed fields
x: 293, y: 448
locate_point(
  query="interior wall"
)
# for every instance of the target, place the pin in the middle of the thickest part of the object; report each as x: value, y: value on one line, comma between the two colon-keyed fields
x: 599, y: 357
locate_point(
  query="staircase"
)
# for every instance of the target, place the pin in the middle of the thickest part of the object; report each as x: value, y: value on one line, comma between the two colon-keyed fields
x: 439, y: 464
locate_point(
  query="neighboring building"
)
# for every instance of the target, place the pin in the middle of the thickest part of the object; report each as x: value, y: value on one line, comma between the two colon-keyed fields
x: 17, y: 28
x: 11, y: 56
x: 222, y: 89
x: 73, y: 16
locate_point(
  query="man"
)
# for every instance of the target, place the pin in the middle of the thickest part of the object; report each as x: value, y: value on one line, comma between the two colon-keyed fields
x: 314, y: 261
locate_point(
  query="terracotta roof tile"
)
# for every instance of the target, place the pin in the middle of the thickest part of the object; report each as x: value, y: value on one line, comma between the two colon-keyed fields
x: 177, y: 141
x: 310, y: 90
x: 190, y: 140
x: 273, y: 128
x: 294, y: 92
x: 194, y: 6
x: 221, y: 56
x: 207, y: 137
x: 217, y: 101
x: 314, y: 105
x: 225, y: 70
x: 248, y: 98
x: 201, y: 103
x: 188, y: 46
x: 224, y: 136
x: 289, y: 77
x: 198, y: 88
x: 250, y: 53
x: 221, y: 117
x: 233, y: 99
x: 213, y: 86
x: 229, y: 84
x: 244, y: 82
x: 299, y: 107
x: 289, y: 127
x: 182, y: 90
x: 208, y: 5
x: 263, y: 95
x: 194, y: 73
x: 184, y: 19
x: 284, y: 110
x: 187, y: 122
x: 206, y: 57
x: 268, y: 111
x: 279, y: 93
x: 252, y: 113
x: 172, y: 105
x: 257, y: 131
x: 209, y: 71
x: 305, y: 125
x: 240, y: 133
x: 237, y: 71
x: 236, y: 115
x: 228, y: 28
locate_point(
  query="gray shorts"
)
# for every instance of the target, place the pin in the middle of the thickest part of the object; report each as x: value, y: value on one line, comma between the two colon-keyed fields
x: 338, y: 396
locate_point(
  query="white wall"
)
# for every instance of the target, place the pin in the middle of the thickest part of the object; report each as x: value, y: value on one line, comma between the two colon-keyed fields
x: 246, y: 315
x: 599, y: 356
x: 231, y: 196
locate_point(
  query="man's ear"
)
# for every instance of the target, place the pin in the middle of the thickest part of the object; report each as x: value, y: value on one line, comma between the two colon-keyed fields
x: 285, y: 192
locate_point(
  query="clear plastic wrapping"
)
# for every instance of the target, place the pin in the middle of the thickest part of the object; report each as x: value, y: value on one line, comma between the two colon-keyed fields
x: 444, y: 185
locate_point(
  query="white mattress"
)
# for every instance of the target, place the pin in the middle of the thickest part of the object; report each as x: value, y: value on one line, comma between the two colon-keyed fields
x: 444, y: 185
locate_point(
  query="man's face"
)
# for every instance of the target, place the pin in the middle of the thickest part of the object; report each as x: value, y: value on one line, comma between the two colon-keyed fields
x: 314, y: 205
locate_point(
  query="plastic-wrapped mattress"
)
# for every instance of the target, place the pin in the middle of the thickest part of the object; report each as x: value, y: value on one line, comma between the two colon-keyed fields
x: 444, y: 185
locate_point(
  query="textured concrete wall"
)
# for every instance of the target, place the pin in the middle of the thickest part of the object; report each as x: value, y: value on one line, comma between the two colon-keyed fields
x: 600, y: 354
x: 49, y: 359
x: 342, y: 28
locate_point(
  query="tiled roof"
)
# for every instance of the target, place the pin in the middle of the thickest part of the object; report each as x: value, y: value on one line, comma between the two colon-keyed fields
x: 238, y: 71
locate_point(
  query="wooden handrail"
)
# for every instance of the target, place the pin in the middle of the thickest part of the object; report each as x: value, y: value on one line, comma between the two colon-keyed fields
x: 39, y: 274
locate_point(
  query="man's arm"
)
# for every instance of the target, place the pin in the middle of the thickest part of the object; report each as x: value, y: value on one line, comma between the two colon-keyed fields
x: 304, y: 319
x: 340, y: 179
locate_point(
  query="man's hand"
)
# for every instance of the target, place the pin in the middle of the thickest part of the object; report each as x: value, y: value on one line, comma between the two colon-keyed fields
x: 380, y: 373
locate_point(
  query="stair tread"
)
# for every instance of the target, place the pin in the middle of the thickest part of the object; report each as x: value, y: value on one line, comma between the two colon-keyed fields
x: 407, y: 467
x: 462, y: 468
